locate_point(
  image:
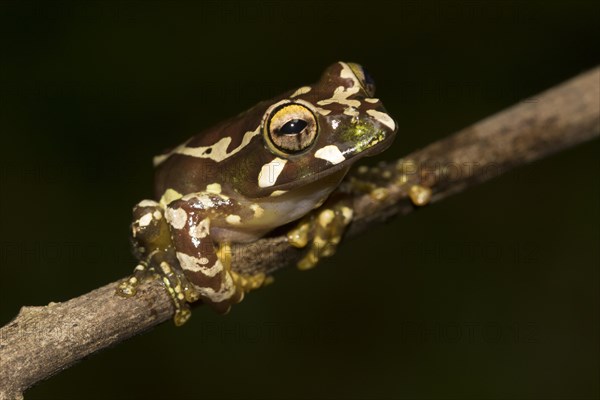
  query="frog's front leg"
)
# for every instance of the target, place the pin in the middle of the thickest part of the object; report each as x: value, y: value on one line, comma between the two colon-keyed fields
x: 323, y: 229
x: 190, y: 220
x: 152, y: 246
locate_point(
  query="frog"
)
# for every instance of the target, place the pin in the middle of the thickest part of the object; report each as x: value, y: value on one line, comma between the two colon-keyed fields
x: 278, y: 162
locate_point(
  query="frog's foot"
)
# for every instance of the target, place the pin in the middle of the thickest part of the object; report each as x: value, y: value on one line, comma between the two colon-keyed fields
x: 128, y: 287
x: 179, y: 289
x: 152, y: 246
x: 244, y: 283
x: 323, y: 231
x: 249, y: 282
x: 173, y: 280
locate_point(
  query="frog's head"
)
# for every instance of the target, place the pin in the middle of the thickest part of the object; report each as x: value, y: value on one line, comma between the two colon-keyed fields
x: 316, y: 131
x: 309, y: 135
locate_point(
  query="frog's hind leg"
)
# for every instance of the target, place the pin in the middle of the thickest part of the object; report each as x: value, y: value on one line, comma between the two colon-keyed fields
x: 152, y: 246
x: 210, y: 275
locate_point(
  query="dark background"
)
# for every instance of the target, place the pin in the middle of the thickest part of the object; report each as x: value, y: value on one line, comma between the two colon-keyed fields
x: 490, y: 294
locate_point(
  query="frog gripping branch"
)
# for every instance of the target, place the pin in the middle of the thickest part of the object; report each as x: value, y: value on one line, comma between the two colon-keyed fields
x: 34, y: 345
x: 246, y: 176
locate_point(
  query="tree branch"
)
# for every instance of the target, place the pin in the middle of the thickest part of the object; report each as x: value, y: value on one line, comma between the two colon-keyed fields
x: 42, y: 341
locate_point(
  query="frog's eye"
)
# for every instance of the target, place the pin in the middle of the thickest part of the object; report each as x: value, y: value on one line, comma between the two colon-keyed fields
x: 291, y: 128
x: 364, y: 78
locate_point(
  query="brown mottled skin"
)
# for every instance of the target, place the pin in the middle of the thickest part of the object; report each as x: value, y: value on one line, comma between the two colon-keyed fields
x: 213, y: 192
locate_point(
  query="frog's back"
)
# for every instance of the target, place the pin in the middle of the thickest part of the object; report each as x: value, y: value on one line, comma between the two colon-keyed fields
x: 200, y: 161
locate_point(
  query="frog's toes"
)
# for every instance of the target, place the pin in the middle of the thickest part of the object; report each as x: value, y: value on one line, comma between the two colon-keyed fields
x: 419, y: 195
x: 324, y: 233
x: 226, y: 290
x: 128, y: 287
x: 179, y: 290
x: 224, y: 255
x: 251, y: 282
x: 300, y: 235
x: 174, y: 283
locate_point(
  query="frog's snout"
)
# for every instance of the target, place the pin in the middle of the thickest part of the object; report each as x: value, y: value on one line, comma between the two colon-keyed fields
x: 384, y: 136
x: 375, y: 132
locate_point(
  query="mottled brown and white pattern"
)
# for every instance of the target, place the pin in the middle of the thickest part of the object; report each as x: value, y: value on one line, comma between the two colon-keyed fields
x: 250, y: 174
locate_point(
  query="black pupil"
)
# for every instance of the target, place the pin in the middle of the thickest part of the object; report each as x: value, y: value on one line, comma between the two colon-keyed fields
x: 293, y: 126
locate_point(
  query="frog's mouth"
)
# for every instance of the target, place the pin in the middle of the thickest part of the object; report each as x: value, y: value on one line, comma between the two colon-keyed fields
x: 320, y: 183
x: 323, y: 175
x: 322, y: 169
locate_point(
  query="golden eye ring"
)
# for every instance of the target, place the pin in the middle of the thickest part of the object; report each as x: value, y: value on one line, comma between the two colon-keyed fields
x: 291, y: 128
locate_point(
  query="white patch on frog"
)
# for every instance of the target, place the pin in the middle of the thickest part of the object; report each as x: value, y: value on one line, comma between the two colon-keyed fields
x: 383, y: 118
x: 233, y: 219
x: 177, y: 217
x: 147, y: 203
x: 351, y: 111
x: 195, y: 264
x: 165, y: 268
x: 213, y: 188
x: 258, y: 210
x: 225, y: 292
x: 145, y: 220
x: 302, y: 90
x: 169, y: 196
x: 322, y: 111
x: 330, y: 153
x: 310, y: 106
x: 346, y: 73
x: 371, y: 100
x: 216, y: 152
x: 157, y: 214
x: 200, y: 230
x: 270, y: 172
x: 340, y: 95
x: 203, y: 199
x: 276, y: 193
